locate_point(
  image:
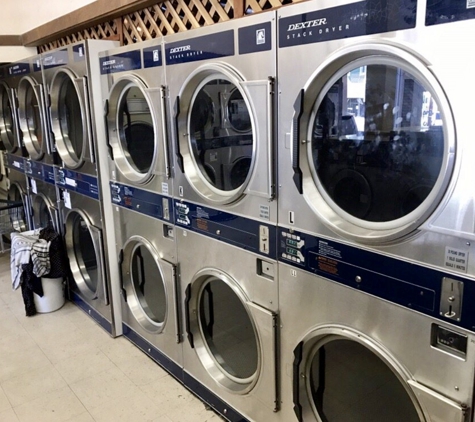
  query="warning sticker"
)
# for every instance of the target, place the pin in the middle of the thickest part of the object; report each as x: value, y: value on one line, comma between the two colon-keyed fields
x: 456, y: 259
x: 325, y: 249
x: 327, y: 265
x: 470, y: 4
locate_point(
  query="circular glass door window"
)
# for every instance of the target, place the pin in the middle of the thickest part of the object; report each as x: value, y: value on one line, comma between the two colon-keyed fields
x: 42, y: 217
x: 33, y: 118
x: 221, y: 135
x: 70, y: 116
x: 348, y: 382
x: 228, y: 330
x: 17, y: 215
x: 136, y: 130
x: 85, y: 253
x: 148, y: 285
x: 377, y: 142
x: 6, y: 120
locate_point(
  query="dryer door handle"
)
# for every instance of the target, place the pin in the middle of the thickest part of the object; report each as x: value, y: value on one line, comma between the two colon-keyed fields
x: 43, y: 117
x: 176, y: 113
x: 121, y: 275
x: 296, y: 381
x: 298, y: 109
x: 106, y: 129
x: 96, y: 235
x: 189, y: 334
x: 163, y: 113
x: 87, y: 111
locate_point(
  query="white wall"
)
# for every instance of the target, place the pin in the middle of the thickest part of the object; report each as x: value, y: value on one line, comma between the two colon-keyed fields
x: 12, y: 54
x: 20, y: 16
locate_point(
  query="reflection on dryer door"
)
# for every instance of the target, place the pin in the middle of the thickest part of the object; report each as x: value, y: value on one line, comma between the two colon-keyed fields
x: 8, y: 119
x: 43, y: 212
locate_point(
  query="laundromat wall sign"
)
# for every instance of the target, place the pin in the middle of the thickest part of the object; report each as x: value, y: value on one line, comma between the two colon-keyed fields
x: 58, y: 58
x: 130, y: 60
x: 349, y: 20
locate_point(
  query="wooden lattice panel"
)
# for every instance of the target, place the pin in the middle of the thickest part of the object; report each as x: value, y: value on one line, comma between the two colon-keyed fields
x: 102, y: 31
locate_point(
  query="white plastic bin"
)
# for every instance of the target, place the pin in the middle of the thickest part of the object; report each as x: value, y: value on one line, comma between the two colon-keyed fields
x: 53, y: 295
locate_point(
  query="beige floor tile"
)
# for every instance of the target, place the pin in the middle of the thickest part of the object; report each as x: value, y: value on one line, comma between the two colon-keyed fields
x: 84, y: 365
x: 16, y: 342
x: 22, y: 362
x: 56, y: 406
x: 4, y: 402
x: 35, y: 384
x: 120, y: 349
x: 9, y: 325
x: 9, y: 416
x: 83, y: 417
x: 100, y: 389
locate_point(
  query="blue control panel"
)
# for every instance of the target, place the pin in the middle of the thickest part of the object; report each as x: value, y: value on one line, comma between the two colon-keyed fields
x: 15, y: 163
x: 77, y: 182
x: 40, y: 171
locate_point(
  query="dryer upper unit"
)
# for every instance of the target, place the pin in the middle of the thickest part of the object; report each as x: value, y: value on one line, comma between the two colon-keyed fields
x: 71, y: 75
x: 374, y: 129
x: 220, y: 81
x: 135, y: 99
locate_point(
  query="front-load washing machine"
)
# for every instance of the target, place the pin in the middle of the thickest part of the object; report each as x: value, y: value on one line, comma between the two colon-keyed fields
x: 43, y: 195
x: 146, y: 248
x: 135, y: 103
x: 71, y: 75
x: 374, y: 129
x: 385, y: 356
x: 230, y: 354
x: 33, y: 114
x: 18, y: 191
x: 84, y: 238
x: 221, y: 85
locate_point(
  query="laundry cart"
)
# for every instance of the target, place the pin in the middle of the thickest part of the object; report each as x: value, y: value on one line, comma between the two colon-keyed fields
x: 11, y: 219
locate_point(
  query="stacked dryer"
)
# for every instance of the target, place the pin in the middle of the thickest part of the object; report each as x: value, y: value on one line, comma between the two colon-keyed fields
x: 140, y: 189
x: 71, y: 75
x: 220, y: 81
x: 375, y: 212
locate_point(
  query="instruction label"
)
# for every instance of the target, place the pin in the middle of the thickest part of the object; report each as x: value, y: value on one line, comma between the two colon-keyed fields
x: 456, y: 259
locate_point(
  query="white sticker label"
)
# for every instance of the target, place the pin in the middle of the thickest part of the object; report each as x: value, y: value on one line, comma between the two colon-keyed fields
x: 470, y: 4
x: 34, y: 189
x: 67, y: 199
x: 16, y: 164
x: 264, y: 212
x: 165, y: 188
x: 456, y: 259
x: 70, y: 182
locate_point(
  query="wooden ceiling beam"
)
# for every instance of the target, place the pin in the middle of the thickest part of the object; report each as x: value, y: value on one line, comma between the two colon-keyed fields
x: 10, y: 40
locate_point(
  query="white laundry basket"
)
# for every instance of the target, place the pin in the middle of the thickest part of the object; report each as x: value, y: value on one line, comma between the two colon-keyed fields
x: 53, y: 295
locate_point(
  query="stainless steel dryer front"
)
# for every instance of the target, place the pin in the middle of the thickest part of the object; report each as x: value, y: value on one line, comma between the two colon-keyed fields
x: 71, y: 75
x: 374, y: 130
x: 230, y: 354
x: 135, y: 98
x: 221, y: 81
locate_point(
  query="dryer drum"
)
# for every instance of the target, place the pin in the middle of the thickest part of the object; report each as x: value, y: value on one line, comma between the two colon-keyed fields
x: 6, y: 120
x: 69, y: 114
x: 18, y: 219
x: 41, y: 213
x: 32, y: 116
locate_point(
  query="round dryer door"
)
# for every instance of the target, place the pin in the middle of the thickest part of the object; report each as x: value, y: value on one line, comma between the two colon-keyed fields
x: 31, y: 116
x: 70, y: 117
x: 8, y: 128
x: 84, y: 253
x: 222, y: 331
x: 144, y: 284
x: 43, y: 212
x: 381, y: 143
x: 218, y: 153
x: 133, y: 128
x: 18, y: 215
x: 343, y: 376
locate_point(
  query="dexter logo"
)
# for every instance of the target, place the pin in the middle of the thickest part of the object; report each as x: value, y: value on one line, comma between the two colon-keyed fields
x: 180, y: 49
x: 308, y: 24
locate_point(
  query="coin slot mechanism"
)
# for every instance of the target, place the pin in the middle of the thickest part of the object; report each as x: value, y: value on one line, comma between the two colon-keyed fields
x: 449, y: 341
x: 451, y: 299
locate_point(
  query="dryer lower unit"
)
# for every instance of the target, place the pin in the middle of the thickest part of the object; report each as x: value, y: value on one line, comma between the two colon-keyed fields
x: 83, y: 235
x: 150, y: 306
x: 230, y: 312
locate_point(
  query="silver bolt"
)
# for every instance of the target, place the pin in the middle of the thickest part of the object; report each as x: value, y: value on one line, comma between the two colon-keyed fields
x: 456, y: 388
x: 218, y: 232
x: 358, y: 279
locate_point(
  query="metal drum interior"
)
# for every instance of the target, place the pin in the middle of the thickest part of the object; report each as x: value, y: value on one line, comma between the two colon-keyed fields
x: 227, y: 344
x: 68, y: 118
x: 31, y: 118
x: 221, y: 136
x: 7, y: 120
x: 145, y: 285
x: 381, y: 147
x: 18, y: 218
x: 42, y: 216
x: 82, y: 254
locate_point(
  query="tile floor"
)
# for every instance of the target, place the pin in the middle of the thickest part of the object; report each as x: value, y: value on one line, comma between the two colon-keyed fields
x: 62, y: 366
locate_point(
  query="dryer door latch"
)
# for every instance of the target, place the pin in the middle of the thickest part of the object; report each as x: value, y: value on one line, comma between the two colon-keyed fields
x: 451, y: 298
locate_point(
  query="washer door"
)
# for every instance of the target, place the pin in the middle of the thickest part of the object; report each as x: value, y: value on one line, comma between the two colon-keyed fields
x: 32, y: 117
x: 71, y: 118
x: 8, y: 118
x: 137, y: 130
x: 148, y: 294
x: 230, y: 334
x: 342, y: 375
x: 86, y: 256
x: 380, y: 143
x: 223, y: 129
x: 44, y: 212
x: 18, y: 216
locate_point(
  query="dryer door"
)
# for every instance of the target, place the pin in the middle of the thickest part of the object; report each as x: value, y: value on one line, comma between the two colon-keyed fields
x: 71, y: 118
x: 224, y: 133
x: 342, y: 375
x: 86, y: 255
x: 32, y: 117
x: 8, y: 118
x: 18, y: 216
x: 136, y: 123
x: 44, y: 213
x: 233, y: 337
x: 147, y: 291
x: 373, y: 143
